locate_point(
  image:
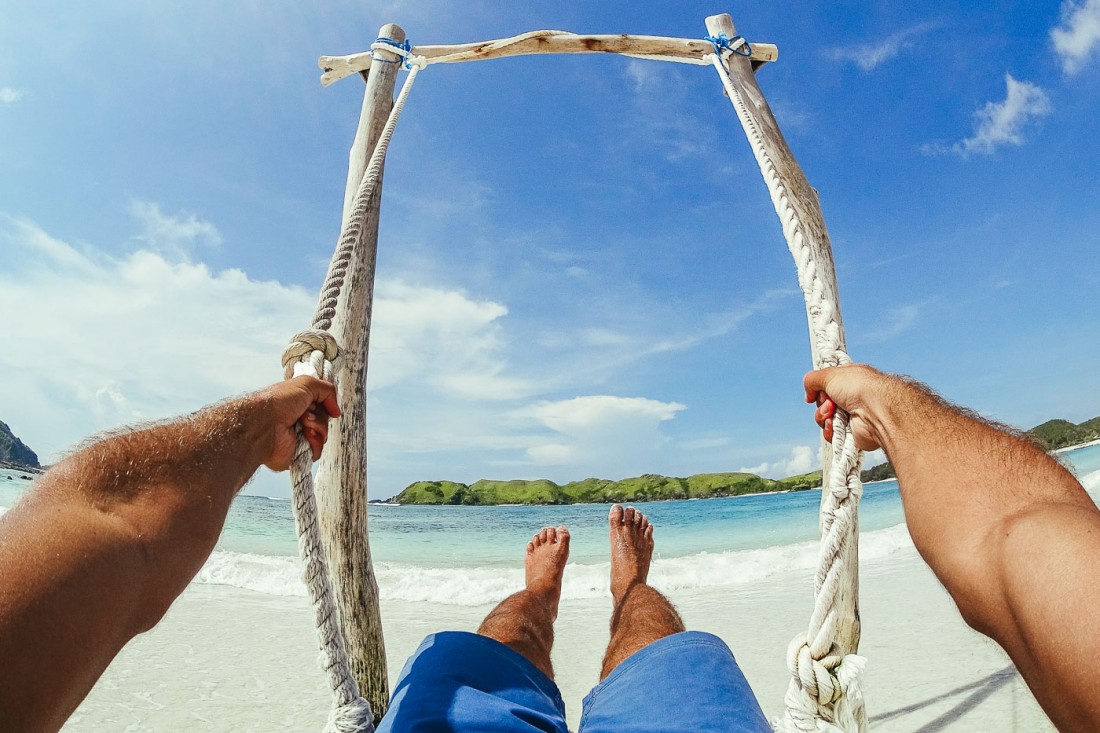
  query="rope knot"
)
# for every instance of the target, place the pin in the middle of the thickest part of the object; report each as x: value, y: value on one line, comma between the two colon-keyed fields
x: 722, y: 42
x: 312, y: 352
x: 816, y: 676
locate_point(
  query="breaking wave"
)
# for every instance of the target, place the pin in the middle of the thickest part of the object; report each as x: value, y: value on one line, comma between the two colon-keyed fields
x: 483, y: 585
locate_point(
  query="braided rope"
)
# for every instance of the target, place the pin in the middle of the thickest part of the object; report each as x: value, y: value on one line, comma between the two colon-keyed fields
x: 364, y: 199
x: 315, y: 352
x: 824, y: 693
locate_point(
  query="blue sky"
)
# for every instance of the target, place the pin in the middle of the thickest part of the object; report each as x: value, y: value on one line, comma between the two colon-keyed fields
x: 580, y: 272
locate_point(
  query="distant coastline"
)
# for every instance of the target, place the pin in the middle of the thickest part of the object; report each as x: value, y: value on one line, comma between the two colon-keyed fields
x: 1055, y: 435
x: 649, y: 487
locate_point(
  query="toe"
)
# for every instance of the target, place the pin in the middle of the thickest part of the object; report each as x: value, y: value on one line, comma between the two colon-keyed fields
x: 544, y: 535
x: 628, y: 518
x: 551, y: 534
x: 649, y: 532
x: 638, y: 519
x: 530, y: 547
x: 563, y: 534
x: 616, y: 514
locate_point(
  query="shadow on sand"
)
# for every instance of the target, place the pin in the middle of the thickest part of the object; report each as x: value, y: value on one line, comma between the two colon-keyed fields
x: 980, y: 691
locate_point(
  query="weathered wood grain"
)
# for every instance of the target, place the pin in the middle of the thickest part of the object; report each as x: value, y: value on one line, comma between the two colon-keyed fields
x: 342, y: 473
x: 337, y: 67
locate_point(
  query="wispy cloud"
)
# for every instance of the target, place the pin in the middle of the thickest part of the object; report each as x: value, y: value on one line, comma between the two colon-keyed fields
x: 604, y: 433
x: 1078, y: 36
x: 9, y: 95
x: 802, y: 459
x: 173, y: 236
x: 868, y: 56
x: 895, y: 321
x: 1000, y: 123
x: 662, y: 115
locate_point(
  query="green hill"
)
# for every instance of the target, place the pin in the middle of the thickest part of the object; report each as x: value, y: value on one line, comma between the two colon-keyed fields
x: 1055, y: 434
x: 651, y: 487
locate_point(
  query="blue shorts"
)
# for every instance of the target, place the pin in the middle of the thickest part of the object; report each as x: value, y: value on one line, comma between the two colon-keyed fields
x: 462, y: 682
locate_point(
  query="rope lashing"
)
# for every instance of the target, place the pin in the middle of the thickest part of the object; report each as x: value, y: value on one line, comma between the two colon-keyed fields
x: 721, y: 42
x: 404, y: 50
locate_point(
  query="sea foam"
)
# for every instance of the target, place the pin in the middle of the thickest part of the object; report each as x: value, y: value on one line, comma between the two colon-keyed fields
x: 484, y: 585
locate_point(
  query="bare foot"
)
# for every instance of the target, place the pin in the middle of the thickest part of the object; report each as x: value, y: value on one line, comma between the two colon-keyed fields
x: 631, y: 549
x: 546, y: 555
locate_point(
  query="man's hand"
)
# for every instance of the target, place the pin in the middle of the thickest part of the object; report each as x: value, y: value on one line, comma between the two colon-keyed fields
x: 303, y: 400
x: 854, y: 388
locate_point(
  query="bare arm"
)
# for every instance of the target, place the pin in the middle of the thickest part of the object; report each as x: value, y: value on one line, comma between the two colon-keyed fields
x: 96, y: 552
x: 1010, y: 533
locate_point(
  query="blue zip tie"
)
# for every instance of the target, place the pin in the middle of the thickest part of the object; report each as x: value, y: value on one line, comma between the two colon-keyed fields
x: 406, y: 47
x: 721, y: 41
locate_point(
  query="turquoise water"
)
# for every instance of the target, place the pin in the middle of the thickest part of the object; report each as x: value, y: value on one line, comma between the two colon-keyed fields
x: 457, y: 536
x: 465, y: 536
x: 469, y: 555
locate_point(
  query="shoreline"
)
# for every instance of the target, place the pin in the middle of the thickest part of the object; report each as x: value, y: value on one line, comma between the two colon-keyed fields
x: 1079, y: 445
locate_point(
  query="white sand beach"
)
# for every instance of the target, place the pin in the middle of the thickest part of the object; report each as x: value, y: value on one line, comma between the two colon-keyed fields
x: 227, y: 659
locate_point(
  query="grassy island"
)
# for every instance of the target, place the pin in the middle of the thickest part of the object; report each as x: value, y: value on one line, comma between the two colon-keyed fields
x: 1053, y: 434
x: 649, y: 487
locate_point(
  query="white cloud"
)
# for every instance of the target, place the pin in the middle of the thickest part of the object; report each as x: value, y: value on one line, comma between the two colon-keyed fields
x: 802, y: 459
x: 873, y: 458
x: 601, y: 434
x: 146, y: 335
x: 138, y: 337
x: 172, y: 236
x: 1000, y: 123
x: 895, y: 321
x: 868, y: 56
x: 143, y: 337
x: 8, y: 95
x: 1078, y: 36
x: 442, y: 338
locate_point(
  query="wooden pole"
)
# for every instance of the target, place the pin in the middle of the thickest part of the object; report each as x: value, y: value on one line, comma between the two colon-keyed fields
x: 342, y: 473
x: 803, y: 198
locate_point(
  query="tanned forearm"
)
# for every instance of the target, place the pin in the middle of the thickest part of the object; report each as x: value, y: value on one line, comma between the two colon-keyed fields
x: 109, y: 537
x: 1007, y: 529
x: 964, y: 483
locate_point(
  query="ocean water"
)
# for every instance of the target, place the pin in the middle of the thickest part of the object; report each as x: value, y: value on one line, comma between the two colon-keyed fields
x: 472, y: 556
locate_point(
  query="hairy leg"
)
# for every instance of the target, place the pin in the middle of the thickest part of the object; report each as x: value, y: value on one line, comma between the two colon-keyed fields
x: 525, y: 620
x: 641, y: 615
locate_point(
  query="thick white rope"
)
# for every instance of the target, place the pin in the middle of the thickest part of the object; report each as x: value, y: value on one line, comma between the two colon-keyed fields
x: 824, y: 693
x: 316, y: 353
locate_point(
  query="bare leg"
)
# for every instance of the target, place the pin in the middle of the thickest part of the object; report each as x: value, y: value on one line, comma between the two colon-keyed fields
x: 641, y: 615
x: 525, y: 620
